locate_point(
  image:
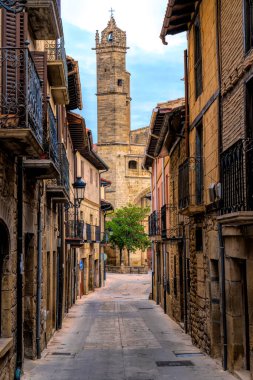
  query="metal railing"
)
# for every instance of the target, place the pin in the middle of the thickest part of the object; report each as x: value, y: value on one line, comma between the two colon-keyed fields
x: 64, y: 167
x: 237, y: 192
x: 75, y: 229
x: 170, y: 229
x: 183, y: 185
x: 51, y: 139
x: 154, y: 223
x: 56, y: 52
x: 20, y: 89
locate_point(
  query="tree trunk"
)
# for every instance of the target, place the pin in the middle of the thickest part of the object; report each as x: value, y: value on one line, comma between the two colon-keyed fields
x: 128, y: 252
x: 120, y: 257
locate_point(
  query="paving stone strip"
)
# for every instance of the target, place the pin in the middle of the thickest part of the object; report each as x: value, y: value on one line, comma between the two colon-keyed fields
x: 105, y: 337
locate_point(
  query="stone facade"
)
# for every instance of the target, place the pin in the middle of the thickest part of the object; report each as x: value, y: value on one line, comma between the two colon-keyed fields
x: 186, y: 247
x: 119, y: 147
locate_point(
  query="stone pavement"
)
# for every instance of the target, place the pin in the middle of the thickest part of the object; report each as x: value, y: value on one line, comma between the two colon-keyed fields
x: 116, y: 333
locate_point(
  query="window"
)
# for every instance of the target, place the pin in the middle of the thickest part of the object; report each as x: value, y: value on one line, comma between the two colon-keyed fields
x: 197, y: 59
x: 120, y: 82
x: 110, y: 37
x: 132, y: 165
x: 199, y: 239
x: 82, y: 169
x: 96, y: 179
x: 248, y: 24
x: 199, y: 164
x: 91, y: 176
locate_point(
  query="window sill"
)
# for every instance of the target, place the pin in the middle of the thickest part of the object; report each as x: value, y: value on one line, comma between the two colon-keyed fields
x: 5, y: 345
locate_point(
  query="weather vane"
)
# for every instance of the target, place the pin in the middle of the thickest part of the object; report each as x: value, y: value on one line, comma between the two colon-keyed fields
x: 112, y: 11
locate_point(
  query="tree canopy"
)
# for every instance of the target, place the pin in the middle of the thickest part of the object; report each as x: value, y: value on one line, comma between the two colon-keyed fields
x: 126, y: 229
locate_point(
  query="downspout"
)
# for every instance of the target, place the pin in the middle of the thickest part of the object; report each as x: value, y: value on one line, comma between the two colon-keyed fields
x: 187, y: 151
x: 100, y: 224
x: 19, y: 343
x: 221, y: 242
x: 156, y: 204
x: 60, y: 269
x: 39, y: 273
x: 163, y: 245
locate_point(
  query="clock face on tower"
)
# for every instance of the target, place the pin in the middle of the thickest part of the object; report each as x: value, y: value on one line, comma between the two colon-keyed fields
x: 110, y: 37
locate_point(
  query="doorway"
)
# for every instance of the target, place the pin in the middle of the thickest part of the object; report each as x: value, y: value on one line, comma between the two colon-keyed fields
x: 4, y: 255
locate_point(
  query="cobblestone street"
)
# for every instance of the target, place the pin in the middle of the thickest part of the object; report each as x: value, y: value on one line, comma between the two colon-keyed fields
x: 117, y: 333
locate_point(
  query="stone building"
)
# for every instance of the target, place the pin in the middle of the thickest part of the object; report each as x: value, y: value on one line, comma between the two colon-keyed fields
x: 121, y: 148
x: 191, y: 209
x: 166, y: 151
x: 219, y: 100
x: 236, y: 76
x: 34, y: 92
x: 39, y: 149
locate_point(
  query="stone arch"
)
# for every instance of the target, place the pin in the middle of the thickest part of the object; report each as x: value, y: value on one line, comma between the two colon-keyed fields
x: 141, y: 195
x: 4, y: 283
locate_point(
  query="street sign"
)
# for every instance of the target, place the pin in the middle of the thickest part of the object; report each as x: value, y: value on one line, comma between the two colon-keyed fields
x: 81, y: 264
x: 105, y: 256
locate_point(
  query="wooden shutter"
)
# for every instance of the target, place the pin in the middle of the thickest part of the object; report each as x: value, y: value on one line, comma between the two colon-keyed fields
x: 14, y: 34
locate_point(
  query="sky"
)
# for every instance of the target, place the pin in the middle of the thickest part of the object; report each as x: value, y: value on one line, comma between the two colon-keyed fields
x: 156, y: 70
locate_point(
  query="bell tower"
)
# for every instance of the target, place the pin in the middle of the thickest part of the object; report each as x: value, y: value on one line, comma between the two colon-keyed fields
x: 113, y: 86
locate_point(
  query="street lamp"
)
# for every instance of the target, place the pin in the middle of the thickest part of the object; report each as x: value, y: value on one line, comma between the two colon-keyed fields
x: 79, y: 188
x: 13, y: 6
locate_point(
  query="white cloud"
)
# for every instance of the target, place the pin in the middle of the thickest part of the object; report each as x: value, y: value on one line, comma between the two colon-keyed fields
x: 141, y: 19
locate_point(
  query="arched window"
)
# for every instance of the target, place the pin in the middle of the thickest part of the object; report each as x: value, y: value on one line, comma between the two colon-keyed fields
x: 132, y: 165
x: 4, y: 251
x: 110, y: 37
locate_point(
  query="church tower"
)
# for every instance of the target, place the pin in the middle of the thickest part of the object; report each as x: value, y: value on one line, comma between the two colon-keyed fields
x: 113, y: 86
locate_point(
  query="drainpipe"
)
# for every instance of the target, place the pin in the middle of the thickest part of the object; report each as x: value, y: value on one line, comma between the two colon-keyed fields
x: 223, y: 300
x: 19, y: 343
x: 221, y: 242
x: 60, y: 267
x: 163, y: 245
x: 186, y: 77
x: 185, y: 283
x: 100, y: 224
x: 39, y: 273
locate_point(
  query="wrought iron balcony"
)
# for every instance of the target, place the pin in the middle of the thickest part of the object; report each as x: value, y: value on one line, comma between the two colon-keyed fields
x: 190, y: 186
x: 237, y: 182
x: 170, y: 229
x: 51, y: 139
x: 21, y: 113
x: 57, y: 70
x: 97, y: 234
x: 92, y: 233
x: 58, y: 190
x: 154, y: 224
x: 45, y: 19
x: 74, y: 232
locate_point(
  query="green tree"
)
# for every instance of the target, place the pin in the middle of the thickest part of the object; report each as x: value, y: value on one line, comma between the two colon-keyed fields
x: 126, y: 229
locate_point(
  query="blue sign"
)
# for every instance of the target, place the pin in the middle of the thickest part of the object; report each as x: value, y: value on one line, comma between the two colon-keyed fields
x: 81, y: 264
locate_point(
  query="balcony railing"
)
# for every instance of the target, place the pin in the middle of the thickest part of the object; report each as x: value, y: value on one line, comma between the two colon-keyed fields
x: 191, y: 185
x: 154, y: 224
x: 56, y: 53
x: 237, y: 189
x: 64, y: 168
x: 20, y: 88
x: 170, y: 229
x: 75, y: 230
x: 51, y: 139
x: 97, y: 234
x: 183, y: 185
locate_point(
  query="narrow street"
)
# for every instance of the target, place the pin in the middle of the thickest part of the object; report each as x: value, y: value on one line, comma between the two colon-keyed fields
x: 117, y: 333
